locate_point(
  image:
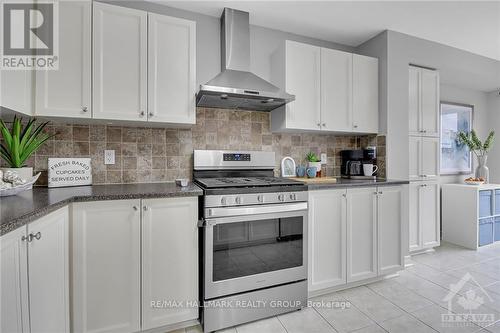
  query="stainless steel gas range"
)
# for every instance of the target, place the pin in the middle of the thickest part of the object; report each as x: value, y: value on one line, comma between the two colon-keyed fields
x: 254, y: 238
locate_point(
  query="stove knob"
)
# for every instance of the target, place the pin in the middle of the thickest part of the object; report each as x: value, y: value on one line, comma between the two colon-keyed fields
x: 293, y: 196
x: 281, y: 197
x: 260, y: 198
x: 238, y: 200
x: 223, y: 201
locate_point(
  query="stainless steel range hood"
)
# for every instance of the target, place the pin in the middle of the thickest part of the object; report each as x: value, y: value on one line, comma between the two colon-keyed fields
x: 236, y: 87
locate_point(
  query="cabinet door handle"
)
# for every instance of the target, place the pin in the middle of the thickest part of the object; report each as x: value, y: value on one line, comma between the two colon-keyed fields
x: 28, y: 238
x: 145, y: 208
x: 324, y: 124
x: 135, y: 207
x: 380, y: 192
x: 355, y: 126
x: 151, y: 114
x: 319, y: 124
x: 142, y: 113
x: 38, y: 235
x: 84, y: 109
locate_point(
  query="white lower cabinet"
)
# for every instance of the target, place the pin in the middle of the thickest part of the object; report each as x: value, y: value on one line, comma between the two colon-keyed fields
x: 106, y: 266
x: 35, y: 276
x: 118, y: 244
x: 169, y: 259
x: 327, y: 234
x: 424, y: 223
x: 361, y: 234
x: 14, y: 282
x: 390, y: 231
x: 354, y: 235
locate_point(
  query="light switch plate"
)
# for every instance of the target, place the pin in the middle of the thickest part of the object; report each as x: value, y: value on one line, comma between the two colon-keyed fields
x: 109, y: 157
x: 324, y: 159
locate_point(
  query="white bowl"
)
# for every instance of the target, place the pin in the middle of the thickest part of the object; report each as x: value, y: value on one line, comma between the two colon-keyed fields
x: 182, y: 182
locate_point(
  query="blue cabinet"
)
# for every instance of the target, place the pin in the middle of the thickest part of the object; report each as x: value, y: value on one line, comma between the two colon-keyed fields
x: 497, y: 202
x: 497, y: 229
x: 486, y: 231
x: 485, y: 204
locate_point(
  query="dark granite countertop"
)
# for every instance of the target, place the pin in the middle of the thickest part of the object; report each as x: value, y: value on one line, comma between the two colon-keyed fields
x: 18, y: 210
x: 347, y: 183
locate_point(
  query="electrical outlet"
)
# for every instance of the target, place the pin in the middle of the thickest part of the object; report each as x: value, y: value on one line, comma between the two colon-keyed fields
x: 324, y: 160
x: 109, y: 157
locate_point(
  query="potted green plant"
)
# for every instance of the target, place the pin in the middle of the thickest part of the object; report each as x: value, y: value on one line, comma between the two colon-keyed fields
x: 313, y: 161
x: 480, y: 149
x: 19, y: 143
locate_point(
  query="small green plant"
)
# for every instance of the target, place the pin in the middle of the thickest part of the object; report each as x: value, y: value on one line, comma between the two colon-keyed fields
x: 472, y: 141
x: 20, y: 143
x: 312, y: 157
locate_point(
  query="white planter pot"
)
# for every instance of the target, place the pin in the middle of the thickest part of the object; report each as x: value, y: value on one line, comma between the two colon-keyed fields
x: 24, y: 173
x: 317, y: 165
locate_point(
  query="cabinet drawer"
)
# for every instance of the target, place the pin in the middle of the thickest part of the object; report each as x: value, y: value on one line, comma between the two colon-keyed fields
x: 497, y: 202
x: 485, y: 203
x: 497, y: 229
x: 486, y: 231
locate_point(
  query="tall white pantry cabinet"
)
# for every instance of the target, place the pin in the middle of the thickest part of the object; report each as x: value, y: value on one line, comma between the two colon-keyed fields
x: 424, y: 146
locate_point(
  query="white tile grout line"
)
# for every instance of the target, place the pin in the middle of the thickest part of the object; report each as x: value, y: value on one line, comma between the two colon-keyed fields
x: 277, y: 317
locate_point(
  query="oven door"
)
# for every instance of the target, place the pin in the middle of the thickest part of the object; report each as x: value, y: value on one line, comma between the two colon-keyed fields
x: 255, y: 247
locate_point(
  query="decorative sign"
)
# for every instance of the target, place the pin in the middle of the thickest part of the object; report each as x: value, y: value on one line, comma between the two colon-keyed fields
x: 69, y: 172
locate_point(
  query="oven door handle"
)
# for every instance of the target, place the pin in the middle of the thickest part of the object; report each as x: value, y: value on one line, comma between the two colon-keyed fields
x: 234, y: 214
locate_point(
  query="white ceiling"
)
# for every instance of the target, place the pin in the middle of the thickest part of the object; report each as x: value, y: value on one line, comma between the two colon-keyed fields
x: 469, y: 25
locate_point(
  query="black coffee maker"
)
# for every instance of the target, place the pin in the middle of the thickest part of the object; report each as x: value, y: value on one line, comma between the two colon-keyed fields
x: 353, y: 160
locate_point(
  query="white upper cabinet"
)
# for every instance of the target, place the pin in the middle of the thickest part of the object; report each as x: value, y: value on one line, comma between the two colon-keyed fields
x: 361, y: 234
x: 430, y: 102
x: 106, y: 238
x: 423, y: 102
x: 48, y: 262
x: 365, y: 94
x: 327, y: 235
x: 296, y: 69
x: 336, y: 90
x: 169, y: 259
x: 171, y: 70
x: 414, y: 100
x: 66, y: 92
x: 390, y: 234
x: 120, y: 63
x: 16, y: 90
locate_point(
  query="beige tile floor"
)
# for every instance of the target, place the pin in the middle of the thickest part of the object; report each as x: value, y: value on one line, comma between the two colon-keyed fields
x: 410, y: 303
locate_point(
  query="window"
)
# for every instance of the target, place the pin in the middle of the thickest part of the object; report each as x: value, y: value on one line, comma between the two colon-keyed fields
x: 455, y: 157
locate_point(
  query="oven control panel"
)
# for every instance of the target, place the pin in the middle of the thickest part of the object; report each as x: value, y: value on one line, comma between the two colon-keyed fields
x: 236, y: 157
x: 254, y: 199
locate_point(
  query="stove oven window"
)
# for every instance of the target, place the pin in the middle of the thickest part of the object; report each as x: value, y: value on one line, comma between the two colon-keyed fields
x: 254, y: 247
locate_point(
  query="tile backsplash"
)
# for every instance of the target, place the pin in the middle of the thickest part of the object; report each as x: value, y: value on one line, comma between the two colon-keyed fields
x: 163, y: 154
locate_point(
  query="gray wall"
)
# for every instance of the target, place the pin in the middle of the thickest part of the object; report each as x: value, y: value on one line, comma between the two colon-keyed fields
x: 263, y: 41
x: 480, y: 123
x: 493, y: 100
x: 457, y: 68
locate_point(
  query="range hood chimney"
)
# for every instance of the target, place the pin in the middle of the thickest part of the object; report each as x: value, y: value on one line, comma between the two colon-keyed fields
x: 236, y: 87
